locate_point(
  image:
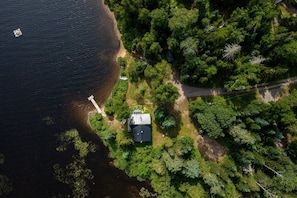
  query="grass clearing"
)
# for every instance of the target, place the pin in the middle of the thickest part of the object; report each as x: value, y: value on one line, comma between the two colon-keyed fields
x: 185, y: 126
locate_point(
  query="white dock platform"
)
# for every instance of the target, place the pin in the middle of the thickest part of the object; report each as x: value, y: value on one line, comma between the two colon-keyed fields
x: 17, y: 32
x: 91, y: 98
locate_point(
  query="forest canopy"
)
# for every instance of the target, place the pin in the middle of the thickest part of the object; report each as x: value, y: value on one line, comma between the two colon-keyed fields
x: 227, y: 44
x: 231, y: 44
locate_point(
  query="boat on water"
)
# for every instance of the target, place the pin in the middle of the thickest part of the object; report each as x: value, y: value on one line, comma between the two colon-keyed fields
x: 17, y: 32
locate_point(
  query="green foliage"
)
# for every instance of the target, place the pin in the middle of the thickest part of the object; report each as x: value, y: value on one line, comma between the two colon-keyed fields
x: 165, y: 94
x: 216, y: 185
x: 117, y: 103
x: 181, y: 20
x: 155, y: 75
x: 212, y: 117
x: 287, y: 52
x: 159, y: 19
x: 122, y: 62
x: 168, y: 123
x: 247, y: 184
x: 174, y: 157
x: 140, y: 163
x: 165, y: 120
x: 241, y: 136
x: 189, y: 46
x: 191, y: 169
x: 211, y: 29
x: 288, y: 182
x: 5, y: 185
x: 75, y: 174
x: 72, y: 137
x: 144, y: 193
x: 193, y: 191
x: 159, y: 166
x: 197, y: 106
x: 144, y: 16
x: 109, y: 135
x: 173, y: 163
x: 124, y: 139
x: 230, y: 167
x: 292, y: 150
x: 160, y: 114
x: 97, y: 123
x: 184, y: 146
x: 232, y: 44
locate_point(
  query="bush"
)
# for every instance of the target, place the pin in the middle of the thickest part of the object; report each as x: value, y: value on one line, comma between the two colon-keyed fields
x: 122, y: 62
x: 165, y: 120
x: 168, y: 123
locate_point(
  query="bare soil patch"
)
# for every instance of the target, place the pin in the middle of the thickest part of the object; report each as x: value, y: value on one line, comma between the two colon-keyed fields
x: 211, y: 149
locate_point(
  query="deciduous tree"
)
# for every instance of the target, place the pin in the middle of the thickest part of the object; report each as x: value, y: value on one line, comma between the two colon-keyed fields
x: 165, y: 94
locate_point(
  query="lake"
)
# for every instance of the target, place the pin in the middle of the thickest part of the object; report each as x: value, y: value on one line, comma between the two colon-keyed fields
x: 66, y: 53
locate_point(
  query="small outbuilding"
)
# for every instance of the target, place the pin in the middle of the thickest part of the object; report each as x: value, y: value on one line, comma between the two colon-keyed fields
x: 140, y: 126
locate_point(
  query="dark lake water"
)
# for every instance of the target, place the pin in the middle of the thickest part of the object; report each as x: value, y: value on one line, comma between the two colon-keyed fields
x: 67, y: 52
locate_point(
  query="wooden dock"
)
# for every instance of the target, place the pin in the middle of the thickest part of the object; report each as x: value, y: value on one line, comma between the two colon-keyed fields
x: 91, y: 98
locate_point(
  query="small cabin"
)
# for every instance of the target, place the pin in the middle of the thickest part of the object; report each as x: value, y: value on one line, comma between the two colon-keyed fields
x: 139, y: 125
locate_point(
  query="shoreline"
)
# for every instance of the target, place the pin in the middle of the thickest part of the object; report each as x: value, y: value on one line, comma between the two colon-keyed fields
x: 122, y: 51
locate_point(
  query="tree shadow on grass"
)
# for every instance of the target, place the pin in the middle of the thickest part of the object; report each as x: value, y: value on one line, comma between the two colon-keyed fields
x: 172, y: 133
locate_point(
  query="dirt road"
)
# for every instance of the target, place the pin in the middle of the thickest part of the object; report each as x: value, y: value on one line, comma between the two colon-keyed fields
x: 269, y: 91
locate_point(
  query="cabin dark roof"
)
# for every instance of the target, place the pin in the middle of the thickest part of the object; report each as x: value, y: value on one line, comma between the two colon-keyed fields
x: 142, y: 133
x: 140, y: 126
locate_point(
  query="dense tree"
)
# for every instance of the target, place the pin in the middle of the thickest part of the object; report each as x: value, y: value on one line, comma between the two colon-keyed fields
x: 160, y: 114
x: 189, y: 46
x: 193, y: 191
x: 159, y: 19
x: 144, y: 16
x: 209, y: 124
x: 213, y: 118
x: 139, y: 164
x: 124, y: 139
x: 157, y: 74
x: 191, y: 169
x: 292, y: 150
x: 165, y: 94
x: 241, y: 136
x: 216, y: 185
x: 228, y: 44
x: 287, y: 52
x: 181, y: 20
x: 168, y: 123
